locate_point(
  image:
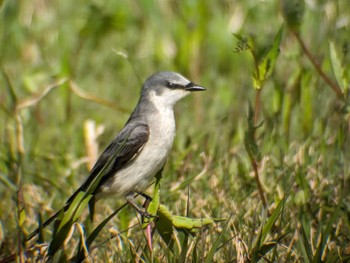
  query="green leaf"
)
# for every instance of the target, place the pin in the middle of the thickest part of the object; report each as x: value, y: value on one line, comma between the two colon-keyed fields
x: 70, y: 213
x: 7, y: 182
x: 305, y: 246
x: 59, y: 238
x: 67, y: 220
x: 216, y: 244
x: 22, y: 217
x: 10, y: 89
x: 80, y: 255
x: 82, y: 205
x: 326, y: 233
x: 59, y: 258
x: 317, y: 257
x: 268, y: 62
x: 266, y: 247
x: 154, y: 204
x: 271, y: 221
x: 82, y: 200
x: 338, y: 69
x: 186, y: 182
x: 261, y: 246
x: 182, y: 222
x: 166, y: 222
x: 184, y: 249
x: 164, y: 225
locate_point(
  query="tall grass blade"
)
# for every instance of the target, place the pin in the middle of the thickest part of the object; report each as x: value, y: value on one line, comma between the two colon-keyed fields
x: 90, y: 239
x: 305, y: 246
x: 213, y: 249
x: 271, y: 221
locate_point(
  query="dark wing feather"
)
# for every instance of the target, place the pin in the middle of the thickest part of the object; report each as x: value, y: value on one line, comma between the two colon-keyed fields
x: 122, y: 149
x: 128, y: 143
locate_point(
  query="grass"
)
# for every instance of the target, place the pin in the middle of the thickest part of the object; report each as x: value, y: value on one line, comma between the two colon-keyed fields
x: 279, y: 175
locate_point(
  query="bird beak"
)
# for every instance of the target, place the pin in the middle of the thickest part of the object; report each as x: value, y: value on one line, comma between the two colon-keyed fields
x: 194, y: 87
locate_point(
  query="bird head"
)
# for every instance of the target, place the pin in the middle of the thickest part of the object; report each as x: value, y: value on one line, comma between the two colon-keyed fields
x: 168, y: 87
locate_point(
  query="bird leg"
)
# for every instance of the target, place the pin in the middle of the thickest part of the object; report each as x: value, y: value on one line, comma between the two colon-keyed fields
x: 130, y: 198
x: 148, y: 199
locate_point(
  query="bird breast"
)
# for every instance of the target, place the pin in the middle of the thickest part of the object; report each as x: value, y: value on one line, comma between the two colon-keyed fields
x: 138, y: 174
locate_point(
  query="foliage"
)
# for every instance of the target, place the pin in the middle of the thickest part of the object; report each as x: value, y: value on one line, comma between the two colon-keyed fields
x: 277, y: 173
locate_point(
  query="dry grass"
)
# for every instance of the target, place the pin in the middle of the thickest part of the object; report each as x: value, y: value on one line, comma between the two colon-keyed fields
x: 65, y: 64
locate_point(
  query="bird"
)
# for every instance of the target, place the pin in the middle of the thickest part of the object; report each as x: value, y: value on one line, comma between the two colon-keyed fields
x: 140, y: 149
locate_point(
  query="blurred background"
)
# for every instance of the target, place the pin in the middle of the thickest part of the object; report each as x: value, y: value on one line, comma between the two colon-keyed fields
x: 64, y: 63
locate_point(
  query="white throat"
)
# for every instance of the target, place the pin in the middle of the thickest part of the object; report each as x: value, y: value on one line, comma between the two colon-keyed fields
x: 167, y: 98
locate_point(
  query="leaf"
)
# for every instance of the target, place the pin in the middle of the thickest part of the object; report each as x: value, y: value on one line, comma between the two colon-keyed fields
x: 186, y: 182
x: 59, y: 258
x: 10, y: 89
x: 271, y: 221
x: 166, y: 221
x: 305, y: 246
x: 154, y: 204
x: 59, y: 238
x: 164, y: 225
x: 67, y: 220
x: 261, y: 247
x: 266, y: 247
x: 80, y: 255
x: 76, y: 207
x: 182, y: 222
x: 68, y: 216
x: 7, y: 182
x: 184, y: 249
x: 268, y: 62
x: 41, y: 238
x: 22, y: 217
x: 216, y: 244
x: 326, y: 233
x: 83, y: 204
x: 338, y: 69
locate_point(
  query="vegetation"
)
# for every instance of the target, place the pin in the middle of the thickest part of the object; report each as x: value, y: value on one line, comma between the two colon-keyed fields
x: 262, y: 158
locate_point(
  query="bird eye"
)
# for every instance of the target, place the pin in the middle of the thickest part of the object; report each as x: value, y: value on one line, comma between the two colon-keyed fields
x: 173, y: 85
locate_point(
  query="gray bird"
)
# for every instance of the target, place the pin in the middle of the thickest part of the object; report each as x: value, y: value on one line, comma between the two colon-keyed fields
x: 141, y: 148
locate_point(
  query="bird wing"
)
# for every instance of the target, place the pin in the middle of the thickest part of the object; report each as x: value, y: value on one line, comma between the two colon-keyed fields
x: 123, y: 149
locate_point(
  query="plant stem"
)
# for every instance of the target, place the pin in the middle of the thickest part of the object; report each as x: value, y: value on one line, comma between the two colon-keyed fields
x: 318, y: 68
x: 257, y: 106
x: 258, y: 183
x: 258, y: 90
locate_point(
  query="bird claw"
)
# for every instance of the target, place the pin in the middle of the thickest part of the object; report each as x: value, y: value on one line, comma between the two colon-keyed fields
x: 142, y: 211
x: 148, y: 215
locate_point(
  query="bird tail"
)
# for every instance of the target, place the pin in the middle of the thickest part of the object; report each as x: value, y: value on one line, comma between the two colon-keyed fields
x: 53, y: 217
x: 64, y: 209
x: 45, y: 224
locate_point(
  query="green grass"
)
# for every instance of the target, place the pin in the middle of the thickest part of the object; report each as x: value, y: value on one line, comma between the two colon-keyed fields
x: 279, y: 175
